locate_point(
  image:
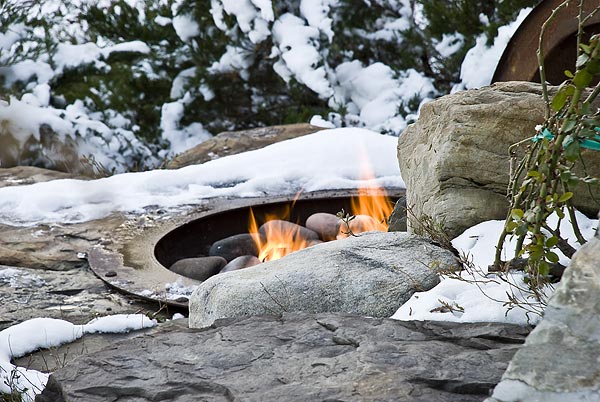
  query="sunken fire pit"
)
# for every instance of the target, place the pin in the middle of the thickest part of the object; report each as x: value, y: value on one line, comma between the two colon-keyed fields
x: 138, y: 263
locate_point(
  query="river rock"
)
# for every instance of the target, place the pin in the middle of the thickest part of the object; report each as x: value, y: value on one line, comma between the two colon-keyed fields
x: 234, y: 246
x: 325, y: 224
x: 295, y: 357
x: 297, y: 232
x: 397, y: 221
x: 200, y: 268
x: 235, y: 142
x: 454, y: 159
x: 559, y: 361
x: 241, y: 262
x: 372, y: 274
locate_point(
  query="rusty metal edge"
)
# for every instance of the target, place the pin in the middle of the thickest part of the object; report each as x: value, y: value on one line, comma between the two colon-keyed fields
x: 519, y: 59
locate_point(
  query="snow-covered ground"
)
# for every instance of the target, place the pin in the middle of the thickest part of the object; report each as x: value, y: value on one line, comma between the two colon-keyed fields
x: 479, y: 296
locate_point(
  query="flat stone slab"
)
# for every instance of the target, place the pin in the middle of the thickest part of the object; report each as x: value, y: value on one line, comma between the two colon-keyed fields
x: 75, y: 295
x: 295, y: 357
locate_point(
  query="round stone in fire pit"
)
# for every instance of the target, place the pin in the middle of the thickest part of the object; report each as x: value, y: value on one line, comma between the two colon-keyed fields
x: 234, y: 246
x: 200, y: 268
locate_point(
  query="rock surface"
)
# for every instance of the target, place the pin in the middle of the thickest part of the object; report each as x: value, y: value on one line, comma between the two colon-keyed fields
x: 22, y: 175
x: 455, y: 162
x: 372, y: 274
x: 296, y: 357
x: 37, y: 148
x: 235, y: 142
x: 75, y: 295
x: 234, y: 246
x: 241, y: 262
x: 324, y: 224
x: 397, y: 221
x: 559, y: 361
x: 200, y: 268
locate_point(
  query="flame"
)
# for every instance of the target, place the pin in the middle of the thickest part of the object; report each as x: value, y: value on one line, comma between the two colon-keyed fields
x: 371, y: 201
x: 279, y: 238
x: 282, y: 238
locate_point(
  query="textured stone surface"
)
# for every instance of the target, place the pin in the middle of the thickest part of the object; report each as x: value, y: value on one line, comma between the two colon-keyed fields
x: 397, y: 221
x: 235, y: 142
x: 455, y: 162
x: 372, y: 275
x: 54, y: 246
x: 75, y: 295
x: 22, y: 175
x: 296, y: 357
x: 559, y: 361
x: 64, y: 150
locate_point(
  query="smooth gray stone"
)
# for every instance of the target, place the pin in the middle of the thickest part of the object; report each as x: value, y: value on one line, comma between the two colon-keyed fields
x: 234, y: 246
x: 295, y: 357
x: 298, y: 232
x: 325, y: 224
x: 371, y: 274
x: 200, y: 268
x: 241, y: 262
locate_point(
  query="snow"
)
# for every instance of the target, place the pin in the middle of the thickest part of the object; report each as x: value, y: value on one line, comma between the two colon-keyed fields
x: 185, y: 27
x: 316, y: 14
x: 319, y: 121
x: 181, y: 138
x: 295, y: 43
x: 39, y: 333
x: 253, y: 17
x: 450, y: 44
x: 320, y: 161
x: 480, y: 61
x: 480, y: 294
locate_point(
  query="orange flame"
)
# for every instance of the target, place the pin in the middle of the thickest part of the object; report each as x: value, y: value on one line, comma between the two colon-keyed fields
x: 278, y: 239
x: 372, y: 201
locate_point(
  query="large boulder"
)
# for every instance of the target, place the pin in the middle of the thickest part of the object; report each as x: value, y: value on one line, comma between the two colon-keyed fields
x: 235, y: 142
x: 455, y: 160
x: 296, y: 357
x: 559, y: 361
x: 372, y: 274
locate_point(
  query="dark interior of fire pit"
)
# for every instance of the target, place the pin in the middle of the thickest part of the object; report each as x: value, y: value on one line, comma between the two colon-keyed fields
x: 195, y: 238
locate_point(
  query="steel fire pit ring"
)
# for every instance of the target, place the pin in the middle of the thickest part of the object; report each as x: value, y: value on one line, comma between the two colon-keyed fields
x: 519, y: 60
x: 135, y: 262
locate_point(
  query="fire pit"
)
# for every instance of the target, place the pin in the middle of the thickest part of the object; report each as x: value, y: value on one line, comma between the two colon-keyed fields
x: 138, y: 264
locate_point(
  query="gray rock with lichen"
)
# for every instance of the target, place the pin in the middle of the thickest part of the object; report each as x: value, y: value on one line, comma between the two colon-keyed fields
x: 372, y: 274
x: 559, y: 361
